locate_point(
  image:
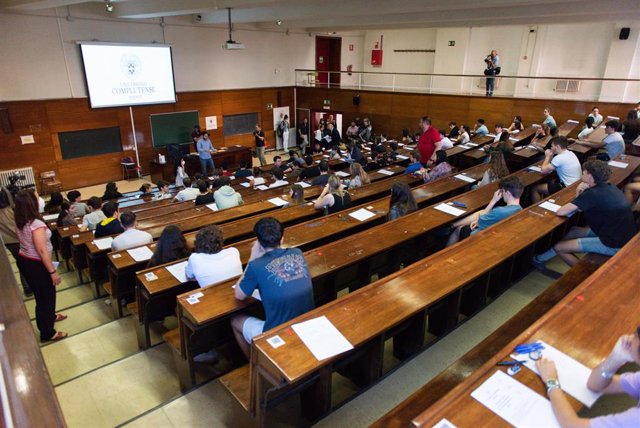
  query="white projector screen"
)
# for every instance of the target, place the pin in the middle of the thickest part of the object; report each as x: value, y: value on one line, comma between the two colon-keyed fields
x: 128, y: 74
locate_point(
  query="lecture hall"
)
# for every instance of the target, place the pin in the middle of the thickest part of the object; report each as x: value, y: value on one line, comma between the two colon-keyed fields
x: 288, y: 213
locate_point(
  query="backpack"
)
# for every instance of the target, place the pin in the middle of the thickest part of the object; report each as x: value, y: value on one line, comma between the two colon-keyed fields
x: 280, y: 129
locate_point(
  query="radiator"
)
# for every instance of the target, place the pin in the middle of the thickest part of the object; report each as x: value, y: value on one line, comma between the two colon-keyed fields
x: 27, y: 172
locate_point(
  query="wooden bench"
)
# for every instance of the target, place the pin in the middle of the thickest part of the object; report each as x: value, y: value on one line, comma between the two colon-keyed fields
x: 432, y: 391
x: 581, y: 325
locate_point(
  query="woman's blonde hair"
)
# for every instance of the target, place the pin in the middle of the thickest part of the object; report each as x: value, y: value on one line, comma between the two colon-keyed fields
x: 335, y: 186
x: 357, y: 171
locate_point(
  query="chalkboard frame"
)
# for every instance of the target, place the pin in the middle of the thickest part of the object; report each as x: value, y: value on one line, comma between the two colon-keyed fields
x: 159, y: 145
x: 110, y: 142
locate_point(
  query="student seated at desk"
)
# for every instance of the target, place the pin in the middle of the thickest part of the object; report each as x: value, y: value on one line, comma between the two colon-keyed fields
x: 597, y: 117
x: 80, y: 207
x: 358, y: 177
x: 561, y: 160
x: 296, y: 195
x: 401, y: 202
x: 548, y: 119
x: 414, y: 163
x: 454, y: 131
x: 480, y: 129
x: 445, y: 142
x: 317, y: 148
x: 67, y: 215
x: 279, y: 164
x: 610, y: 222
x: 205, y: 197
x: 131, y: 237
x: 333, y: 197
x: 323, y: 178
x: 282, y: 278
x: 295, y: 160
x: 171, y: 246
x: 110, y: 225
x: 145, y: 189
x: 226, y: 196
x: 310, y: 169
x: 497, y: 168
x: 111, y: 192
x: 210, y: 263
x: 163, y: 191
x: 354, y: 153
x: 54, y: 205
x: 95, y: 216
x: 602, y: 379
x: 516, y: 125
x: 189, y: 193
x: 439, y: 170
x: 278, y: 175
x: 613, y: 143
x: 588, y: 128
x: 509, y: 190
x: 498, y: 131
x: 407, y: 138
x: 244, y: 170
x: 465, y: 133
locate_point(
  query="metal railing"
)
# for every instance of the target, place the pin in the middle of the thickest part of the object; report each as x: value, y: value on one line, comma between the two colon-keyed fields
x: 544, y: 87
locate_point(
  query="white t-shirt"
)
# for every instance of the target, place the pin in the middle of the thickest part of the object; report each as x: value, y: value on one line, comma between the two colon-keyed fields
x: 188, y: 194
x: 446, y: 143
x: 463, y: 138
x: 131, y: 238
x: 209, y: 269
x: 585, y: 133
x: 567, y: 167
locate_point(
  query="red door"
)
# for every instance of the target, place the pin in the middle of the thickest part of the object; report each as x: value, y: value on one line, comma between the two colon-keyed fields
x: 328, y: 52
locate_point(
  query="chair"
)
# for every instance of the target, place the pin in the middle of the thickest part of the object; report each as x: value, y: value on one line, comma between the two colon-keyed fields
x: 49, y: 183
x: 129, y: 165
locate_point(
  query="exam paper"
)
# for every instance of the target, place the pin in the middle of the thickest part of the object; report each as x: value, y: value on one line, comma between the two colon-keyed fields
x: 572, y: 374
x: 178, y: 271
x: 342, y: 174
x: 303, y: 184
x: 446, y: 208
x: 618, y: 164
x: 212, y: 207
x: 50, y: 217
x: 535, y: 168
x: 104, y: 243
x: 550, y: 206
x: 514, y: 402
x: 572, y: 121
x: 262, y: 187
x: 465, y: 178
x: 362, y: 214
x: 322, y: 338
x: 140, y: 254
x: 402, y: 157
x: 385, y: 172
x: 444, y: 423
x: 472, y: 144
x: 278, y: 202
x: 245, y: 184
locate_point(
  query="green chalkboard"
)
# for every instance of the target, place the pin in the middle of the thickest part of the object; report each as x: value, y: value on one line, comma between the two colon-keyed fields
x: 172, y: 128
x: 89, y: 142
x: 238, y: 124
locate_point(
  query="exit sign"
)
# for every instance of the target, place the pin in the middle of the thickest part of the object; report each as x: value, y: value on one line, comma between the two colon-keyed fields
x: 452, y: 42
x: 327, y: 102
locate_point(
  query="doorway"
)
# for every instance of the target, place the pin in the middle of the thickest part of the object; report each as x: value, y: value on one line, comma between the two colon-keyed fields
x: 328, y: 51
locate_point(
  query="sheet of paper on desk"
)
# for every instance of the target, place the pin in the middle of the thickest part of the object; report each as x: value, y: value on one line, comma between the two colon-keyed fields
x: 362, y: 214
x: 572, y: 121
x: 572, y: 374
x: 140, y: 254
x: 50, y: 217
x: 515, y: 402
x: 446, y: 208
x: 322, y: 338
x: 385, y: 172
x: 464, y: 146
x: 342, y: 174
x: 444, y: 423
x: 550, y: 206
x: 212, y: 207
x: 472, y: 144
x: 278, y: 202
x: 104, y: 243
x: 177, y: 271
x: 513, y: 139
x: 245, y: 184
x: 303, y: 184
x: 262, y: 187
x: 402, y: 157
x: 535, y: 168
x: 465, y: 178
x: 618, y: 164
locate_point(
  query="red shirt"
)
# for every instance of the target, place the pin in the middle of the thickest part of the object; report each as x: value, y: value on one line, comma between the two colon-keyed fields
x: 427, y: 144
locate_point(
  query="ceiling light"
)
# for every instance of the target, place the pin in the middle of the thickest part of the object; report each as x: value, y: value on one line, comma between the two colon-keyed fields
x: 108, y: 6
x: 278, y: 22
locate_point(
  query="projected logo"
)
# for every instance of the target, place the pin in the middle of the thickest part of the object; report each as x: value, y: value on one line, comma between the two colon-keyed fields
x: 130, y: 65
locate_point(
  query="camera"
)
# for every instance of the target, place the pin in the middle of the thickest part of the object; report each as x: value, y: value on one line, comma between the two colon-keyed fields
x: 14, y: 183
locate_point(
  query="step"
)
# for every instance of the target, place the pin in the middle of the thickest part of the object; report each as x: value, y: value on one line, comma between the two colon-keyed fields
x: 238, y: 383
x: 172, y: 337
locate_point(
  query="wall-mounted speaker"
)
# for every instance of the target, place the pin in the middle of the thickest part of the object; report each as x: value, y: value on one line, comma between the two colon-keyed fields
x: 624, y: 33
x: 356, y: 100
x: 5, y: 121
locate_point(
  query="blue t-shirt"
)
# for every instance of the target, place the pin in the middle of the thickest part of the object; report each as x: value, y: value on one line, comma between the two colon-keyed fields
x: 495, y: 215
x: 414, y: 167
x: 482, y: 131
x: 283, y: 279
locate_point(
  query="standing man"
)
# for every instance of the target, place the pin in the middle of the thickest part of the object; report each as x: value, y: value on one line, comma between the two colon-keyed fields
x: 205, y: 149
x: 195, y: 135
x: 429, y: 141
x: 493, y: 69
x: 634, y: 113
x: 303, y: 134
x: 258, y: 134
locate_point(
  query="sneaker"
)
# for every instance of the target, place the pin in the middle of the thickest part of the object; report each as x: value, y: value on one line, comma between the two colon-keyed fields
x: 539, y: 264
x: 206, y: 357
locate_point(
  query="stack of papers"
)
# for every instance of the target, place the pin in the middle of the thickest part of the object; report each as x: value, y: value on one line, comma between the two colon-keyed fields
x: 618, y: 164
x: 550, y: 206
x: 140, y: 254
x: 385, y: 172
x: 446, y: 208
x: 178, y: 271
x: 212, y: 207
x: 362, y: 214
x: 322, y: 338
x: 342, y: 174
x: 278, y: 202
x: 262, y: 187
x: 465, y: 178
x: 104, y: 243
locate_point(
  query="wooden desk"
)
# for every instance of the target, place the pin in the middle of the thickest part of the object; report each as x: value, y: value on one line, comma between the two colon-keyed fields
x: 229, y: 155
x: 524, y: 156
x: 585, y: 325
x: 520, y: 139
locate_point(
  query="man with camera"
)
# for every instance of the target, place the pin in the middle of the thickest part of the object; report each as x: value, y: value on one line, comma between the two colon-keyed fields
x: 493, y: 69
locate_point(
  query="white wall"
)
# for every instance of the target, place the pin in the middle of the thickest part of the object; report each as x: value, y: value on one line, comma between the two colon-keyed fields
x: 353, y: 57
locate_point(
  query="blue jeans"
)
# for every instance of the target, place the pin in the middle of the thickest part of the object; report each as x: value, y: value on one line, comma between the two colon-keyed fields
x: 491, y: 81
x: 204, y: 163
x: 592, y: 244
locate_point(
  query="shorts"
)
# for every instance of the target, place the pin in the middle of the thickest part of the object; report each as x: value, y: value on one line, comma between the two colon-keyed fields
x: 592, y: 244
x: 251, y: 328
x: 555, y: 186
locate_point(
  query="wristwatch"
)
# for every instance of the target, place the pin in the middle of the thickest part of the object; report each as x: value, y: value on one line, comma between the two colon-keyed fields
x: 552, y: 384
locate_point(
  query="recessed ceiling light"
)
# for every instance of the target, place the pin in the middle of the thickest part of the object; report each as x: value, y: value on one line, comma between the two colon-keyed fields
x: 278, y: 22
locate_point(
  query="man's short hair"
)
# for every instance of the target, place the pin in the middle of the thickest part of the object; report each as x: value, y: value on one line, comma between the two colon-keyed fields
x: 612, y: 124
x: 499, y: 125
x: 110, y: 208
x: 162, y: 183
x: 277, y: 173
x: 324, y: 166
x: 224, y: 181
x: 209, y: 240
x: 244, y: 164
x: 94, y: 202
x: 291, y: 153
x: 202, y: 186
x: 128, y: 219
x: 73, y: 195
x: 308, y: 159
x: 276, y: 158
x: 452, y: 123
x: 560, y: 140
x: 187, y: 182
x: 416, y: 155
x: 426, y: 120
x: 599, y: 170
x: 513, y: 185
x: 269, y: 232
x: 481, y: 121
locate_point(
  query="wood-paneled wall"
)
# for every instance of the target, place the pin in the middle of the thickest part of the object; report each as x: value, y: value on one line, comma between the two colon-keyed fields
x: 390, y: 112
x: 45, y: 119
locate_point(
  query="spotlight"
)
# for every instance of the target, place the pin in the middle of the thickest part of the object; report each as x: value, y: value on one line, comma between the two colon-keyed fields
x: 108, y: 6
x: 279, y: 22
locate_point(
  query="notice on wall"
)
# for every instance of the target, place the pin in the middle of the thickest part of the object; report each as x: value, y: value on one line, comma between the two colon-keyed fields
x: 27, y: 139
x: 211, y: 122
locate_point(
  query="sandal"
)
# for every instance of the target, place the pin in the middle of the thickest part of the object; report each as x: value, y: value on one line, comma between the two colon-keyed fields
x: 60, y: 317
x: 58, y: 336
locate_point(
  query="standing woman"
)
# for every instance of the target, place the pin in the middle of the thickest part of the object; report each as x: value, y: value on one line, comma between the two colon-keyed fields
x: 285, y: 132
x: 402, y: 201
x: 181, y: 174
x: 34, y: 262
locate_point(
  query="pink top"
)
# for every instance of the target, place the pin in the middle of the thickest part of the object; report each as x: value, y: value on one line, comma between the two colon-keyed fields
x: 630, y: 418
x: 25, y: 236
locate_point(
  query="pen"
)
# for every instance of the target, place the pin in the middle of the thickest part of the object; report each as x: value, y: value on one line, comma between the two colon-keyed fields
x: 459, y: 204
x: 510, y: 363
